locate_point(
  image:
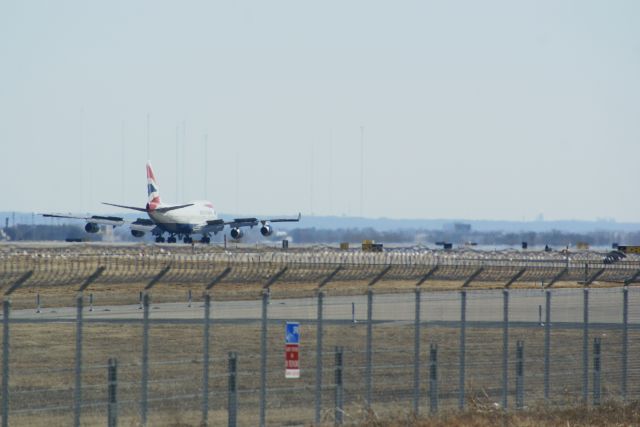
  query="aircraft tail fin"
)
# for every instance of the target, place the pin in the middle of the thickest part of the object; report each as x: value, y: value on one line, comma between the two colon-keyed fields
x: 153, y: 190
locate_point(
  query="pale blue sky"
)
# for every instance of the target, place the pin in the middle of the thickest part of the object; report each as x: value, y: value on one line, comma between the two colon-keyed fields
x: 480, y: 110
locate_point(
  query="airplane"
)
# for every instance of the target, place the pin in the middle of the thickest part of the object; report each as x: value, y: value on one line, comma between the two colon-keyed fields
x: 178, y: 221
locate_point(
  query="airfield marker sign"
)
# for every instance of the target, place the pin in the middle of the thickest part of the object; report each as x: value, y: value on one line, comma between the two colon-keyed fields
x: 292, y: 350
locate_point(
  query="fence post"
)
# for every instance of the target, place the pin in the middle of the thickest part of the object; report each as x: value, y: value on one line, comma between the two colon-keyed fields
x: 520, y: 375
x: 463, y: 332
x: 205, y: 360
x: 596, y: 371
x: 433, y: 378
x: 505, y: 348
x: 38, y: 302
x: 339, y: 396
x: 540, y: 315
x: 6, y: 314
x: 145, y: 360
x: 369, y: 359
x: 319, y: 332
x: 625, y: 341
x: 232, y: 398
x: 416, y: 356
x: 112, y: 393
x: 263, y: 359
x: 77, y: 392
x: 90, y: 302
x: 585, y: 348
x: 189, y: 298
x: 547, y: 344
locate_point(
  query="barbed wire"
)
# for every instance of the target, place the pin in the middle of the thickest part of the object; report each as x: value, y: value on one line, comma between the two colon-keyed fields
x: 140, y: 265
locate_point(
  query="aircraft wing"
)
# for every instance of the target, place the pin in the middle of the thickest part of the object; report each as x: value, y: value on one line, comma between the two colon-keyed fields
x: 161, y: 210
x: 141, y: 224
x: 248, y: 222
x: 282, y: 219
x: 243, y: 222
x: 95, y: 219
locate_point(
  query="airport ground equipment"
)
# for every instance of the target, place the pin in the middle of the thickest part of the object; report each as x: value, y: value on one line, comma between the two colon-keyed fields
x: 629, y: 249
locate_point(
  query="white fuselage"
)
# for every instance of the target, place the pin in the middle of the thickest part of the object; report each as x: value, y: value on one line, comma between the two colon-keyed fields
x: 190, y: 219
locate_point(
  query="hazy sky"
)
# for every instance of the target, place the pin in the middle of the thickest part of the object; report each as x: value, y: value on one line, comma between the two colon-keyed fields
x: 470, y: 109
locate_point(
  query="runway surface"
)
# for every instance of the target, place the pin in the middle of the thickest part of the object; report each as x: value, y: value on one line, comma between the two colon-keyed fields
x: 482, y: 307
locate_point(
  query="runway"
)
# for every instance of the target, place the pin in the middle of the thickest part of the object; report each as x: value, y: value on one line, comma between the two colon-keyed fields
x: 486, y: 307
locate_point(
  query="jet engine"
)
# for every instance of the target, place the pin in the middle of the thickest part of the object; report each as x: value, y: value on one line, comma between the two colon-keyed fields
x: 91, y: 227
x: 266, y: 230
x: 236, y: 233
x: 137, y: 233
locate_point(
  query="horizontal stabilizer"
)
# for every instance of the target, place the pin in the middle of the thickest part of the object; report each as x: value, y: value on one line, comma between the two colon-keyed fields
x: 126, y: 207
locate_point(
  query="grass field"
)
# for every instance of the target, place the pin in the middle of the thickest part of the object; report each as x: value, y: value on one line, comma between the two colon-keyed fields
x: 609, y: 414
x: 42, y: 374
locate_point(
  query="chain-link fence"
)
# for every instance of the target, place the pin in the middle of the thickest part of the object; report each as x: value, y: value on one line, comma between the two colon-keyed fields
x: 126, y: 265
x: 222, y: 362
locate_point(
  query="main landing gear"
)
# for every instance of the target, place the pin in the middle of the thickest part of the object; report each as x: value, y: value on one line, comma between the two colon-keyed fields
x: 170, y: 239
x: 186, y: 239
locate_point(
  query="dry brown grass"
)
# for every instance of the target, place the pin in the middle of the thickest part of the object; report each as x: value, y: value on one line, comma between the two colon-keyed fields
x: 608, y: 414
x: 128, y: 293
x: 43, y: 356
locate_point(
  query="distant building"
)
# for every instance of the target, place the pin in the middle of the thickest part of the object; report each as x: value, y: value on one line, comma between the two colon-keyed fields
x: 458, y: 227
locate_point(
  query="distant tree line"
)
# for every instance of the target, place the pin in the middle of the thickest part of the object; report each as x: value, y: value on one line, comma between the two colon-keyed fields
x: 554, y: 238
x: 48, y: 232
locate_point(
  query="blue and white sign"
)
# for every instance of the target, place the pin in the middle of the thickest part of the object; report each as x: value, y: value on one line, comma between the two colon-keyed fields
x: 292, y: 333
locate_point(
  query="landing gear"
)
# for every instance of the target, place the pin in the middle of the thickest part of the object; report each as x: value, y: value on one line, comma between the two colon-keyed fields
x: 205, y: 240
x: 171, y: 239
x: 160, y: 239
x: 187, y: 239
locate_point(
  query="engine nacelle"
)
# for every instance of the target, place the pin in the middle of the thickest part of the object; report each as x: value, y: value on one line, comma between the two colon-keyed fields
x: 236, y: 233
x: 266, y: 230
x: 137, y: 233
x: 91, y: 227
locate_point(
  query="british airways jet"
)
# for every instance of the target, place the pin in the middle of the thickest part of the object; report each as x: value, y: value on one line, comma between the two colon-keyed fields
x: 178, y: 221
